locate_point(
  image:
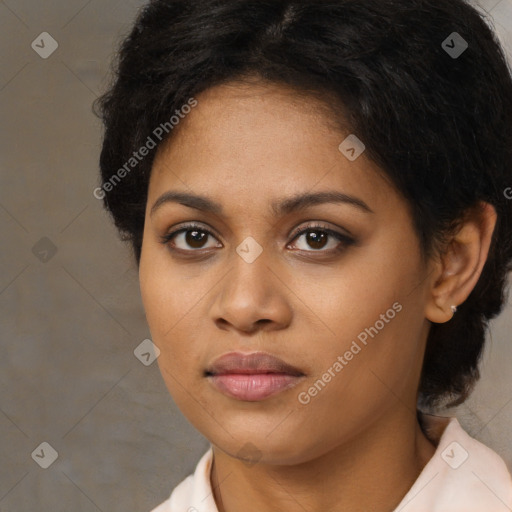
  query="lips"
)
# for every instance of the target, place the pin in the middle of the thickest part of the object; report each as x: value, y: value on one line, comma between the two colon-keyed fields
x: 252, y: 377
x: 255, y: 363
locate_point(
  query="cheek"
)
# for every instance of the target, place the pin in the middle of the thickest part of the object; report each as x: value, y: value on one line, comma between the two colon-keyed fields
x: 171, y: 303
x: 366, y: 283
x: 164, y: 294
x: 155, y: 293
x: 370, y: 310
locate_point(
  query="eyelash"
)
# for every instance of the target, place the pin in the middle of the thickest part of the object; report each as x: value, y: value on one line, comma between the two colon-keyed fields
x: 345, y: 241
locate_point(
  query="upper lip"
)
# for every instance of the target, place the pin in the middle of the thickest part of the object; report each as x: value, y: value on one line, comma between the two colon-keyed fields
x: 256, y: 362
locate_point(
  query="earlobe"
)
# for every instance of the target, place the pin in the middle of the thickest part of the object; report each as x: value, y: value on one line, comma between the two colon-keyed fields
x: 461, y: 264
x: 439, y: 311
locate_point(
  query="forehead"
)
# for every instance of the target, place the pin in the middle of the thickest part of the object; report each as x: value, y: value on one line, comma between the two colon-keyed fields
x: 250, y: 141
x: 240, y: 113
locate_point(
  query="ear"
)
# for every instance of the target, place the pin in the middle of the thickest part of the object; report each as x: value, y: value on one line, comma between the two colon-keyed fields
x: 457, y: 270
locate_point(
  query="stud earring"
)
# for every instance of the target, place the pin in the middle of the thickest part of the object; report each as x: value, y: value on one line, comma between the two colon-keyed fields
x: 454, y: 309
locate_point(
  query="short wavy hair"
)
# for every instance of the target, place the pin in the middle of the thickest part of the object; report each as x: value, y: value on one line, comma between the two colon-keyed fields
x: 438, y: 124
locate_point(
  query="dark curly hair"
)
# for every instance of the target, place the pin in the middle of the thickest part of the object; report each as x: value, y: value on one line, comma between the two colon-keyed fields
x: 438, y: 124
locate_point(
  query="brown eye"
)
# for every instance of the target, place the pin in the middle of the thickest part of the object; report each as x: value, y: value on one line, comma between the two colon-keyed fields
x: 188, y: 238
x: 195, y: 238
x: 316, y: 239
x: 319, y: 237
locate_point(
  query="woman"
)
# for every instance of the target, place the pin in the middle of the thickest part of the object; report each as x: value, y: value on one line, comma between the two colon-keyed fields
x: 315, y: 193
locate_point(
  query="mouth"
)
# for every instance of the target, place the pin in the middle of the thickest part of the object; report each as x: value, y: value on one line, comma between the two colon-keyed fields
x: 252, y: 377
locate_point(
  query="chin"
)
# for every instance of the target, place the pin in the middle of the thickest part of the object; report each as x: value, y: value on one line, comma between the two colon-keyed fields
x: 257, y: 447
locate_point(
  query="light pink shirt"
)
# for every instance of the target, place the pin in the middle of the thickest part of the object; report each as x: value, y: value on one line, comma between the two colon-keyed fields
x: 463, y: 475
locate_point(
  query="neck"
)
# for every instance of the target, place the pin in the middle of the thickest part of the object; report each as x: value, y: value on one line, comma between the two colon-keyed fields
x: 373, y: 471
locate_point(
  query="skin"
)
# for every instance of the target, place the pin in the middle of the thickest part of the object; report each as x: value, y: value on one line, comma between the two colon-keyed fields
x: 357, y: 445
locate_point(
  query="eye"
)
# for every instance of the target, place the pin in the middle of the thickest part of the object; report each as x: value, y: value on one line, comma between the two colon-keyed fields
x: 191, y: 235
x: 317, y: 236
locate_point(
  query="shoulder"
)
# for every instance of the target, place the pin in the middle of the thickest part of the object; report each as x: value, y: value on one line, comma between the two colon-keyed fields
x: 463, y: 475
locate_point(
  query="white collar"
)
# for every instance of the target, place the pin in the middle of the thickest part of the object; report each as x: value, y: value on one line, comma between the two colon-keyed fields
x: 463, y: 475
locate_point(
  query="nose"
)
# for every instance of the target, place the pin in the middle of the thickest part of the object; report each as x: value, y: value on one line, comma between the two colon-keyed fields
x: 252, y: 296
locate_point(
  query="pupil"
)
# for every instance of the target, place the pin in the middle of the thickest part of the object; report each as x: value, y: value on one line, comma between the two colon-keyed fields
x: 193, y: 239
x: 316, y: 241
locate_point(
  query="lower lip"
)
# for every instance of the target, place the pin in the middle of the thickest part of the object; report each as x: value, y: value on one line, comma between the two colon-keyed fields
x: 253, y: 387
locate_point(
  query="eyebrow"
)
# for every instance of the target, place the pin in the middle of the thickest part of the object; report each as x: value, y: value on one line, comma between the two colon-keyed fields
x: 279, y: 208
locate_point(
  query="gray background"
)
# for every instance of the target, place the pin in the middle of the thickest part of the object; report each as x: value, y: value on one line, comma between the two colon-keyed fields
x: 71, y: 319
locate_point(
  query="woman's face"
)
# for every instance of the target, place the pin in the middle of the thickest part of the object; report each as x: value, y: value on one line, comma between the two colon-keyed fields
x: 347, y: 312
